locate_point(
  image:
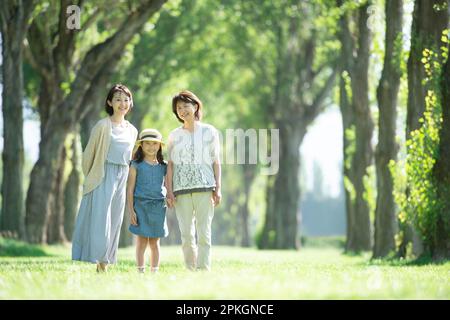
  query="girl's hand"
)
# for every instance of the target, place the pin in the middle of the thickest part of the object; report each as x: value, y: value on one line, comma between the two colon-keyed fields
x: 133, y: 218
x: 216, y: 197
x: 170, y: 199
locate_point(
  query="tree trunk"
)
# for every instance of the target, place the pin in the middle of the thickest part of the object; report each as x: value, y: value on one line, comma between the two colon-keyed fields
x: 55, y: 228
x: 440, y: 247
x: 43, y: 182
x: 281, y: 225
x: 49, y: 98
x: 387, y: 93
x: 88, y: 122
x: 72, y: 191
x: 426, y: 31
x: 59, y: 124
x: 347, y: 121
x: 14, y: 18
x: 356, y: 117
x: 249, y: 172
x: 362, y: 235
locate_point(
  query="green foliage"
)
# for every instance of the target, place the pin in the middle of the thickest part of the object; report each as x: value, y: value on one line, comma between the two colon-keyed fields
x: 350, y: 149
x: 370, y: 190
x: 348, y: 84
x: 350, y: 136
x: 415, y: 188
x: 422, y: 203
x: 445, y: 41
x: 350, y: 188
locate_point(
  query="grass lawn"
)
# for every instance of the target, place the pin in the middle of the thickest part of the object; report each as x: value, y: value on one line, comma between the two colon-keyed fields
x: 237, y: 273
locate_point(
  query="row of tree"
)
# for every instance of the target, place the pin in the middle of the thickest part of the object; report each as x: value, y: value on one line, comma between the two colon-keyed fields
x: 256, y: 64
x: 428, y: 38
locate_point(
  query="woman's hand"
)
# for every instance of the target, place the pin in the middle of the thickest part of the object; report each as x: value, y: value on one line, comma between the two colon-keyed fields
x: 170, y: 197
x: 133, y: 218
x: 216, y: 197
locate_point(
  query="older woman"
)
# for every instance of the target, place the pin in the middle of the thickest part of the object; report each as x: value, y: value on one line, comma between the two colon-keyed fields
x: 193, y: 178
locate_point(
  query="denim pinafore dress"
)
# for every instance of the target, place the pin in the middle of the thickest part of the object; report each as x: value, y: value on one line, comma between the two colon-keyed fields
x: 149, y: 200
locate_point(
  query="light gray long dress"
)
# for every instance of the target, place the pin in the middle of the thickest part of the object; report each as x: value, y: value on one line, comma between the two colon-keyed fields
x: 97, y: 228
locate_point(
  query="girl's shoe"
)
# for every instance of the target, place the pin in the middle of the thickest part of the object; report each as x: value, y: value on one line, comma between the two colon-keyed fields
x: 155, y: 269
x: 141, y: 269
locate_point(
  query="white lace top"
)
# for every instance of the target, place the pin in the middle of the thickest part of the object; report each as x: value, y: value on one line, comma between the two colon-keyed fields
x: 193, y: 155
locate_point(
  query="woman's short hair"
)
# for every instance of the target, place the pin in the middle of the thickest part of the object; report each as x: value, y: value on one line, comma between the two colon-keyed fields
x: 189, y: 97
x: 117, y: 88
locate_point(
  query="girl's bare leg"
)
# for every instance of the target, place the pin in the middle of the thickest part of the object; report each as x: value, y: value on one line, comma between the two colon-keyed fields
x: 154, y: 247
x: 141, y: 245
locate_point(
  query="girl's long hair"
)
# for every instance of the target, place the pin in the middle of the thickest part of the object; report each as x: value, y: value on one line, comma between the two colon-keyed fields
x: 138, y: 155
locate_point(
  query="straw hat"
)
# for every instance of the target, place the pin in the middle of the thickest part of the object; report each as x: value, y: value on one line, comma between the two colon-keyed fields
x: 150, y: 135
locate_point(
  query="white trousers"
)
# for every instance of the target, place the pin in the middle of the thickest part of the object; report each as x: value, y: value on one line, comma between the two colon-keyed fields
x: 196, y: 207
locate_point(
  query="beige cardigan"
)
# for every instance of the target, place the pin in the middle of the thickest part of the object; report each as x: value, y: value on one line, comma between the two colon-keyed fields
x: 94, y: 155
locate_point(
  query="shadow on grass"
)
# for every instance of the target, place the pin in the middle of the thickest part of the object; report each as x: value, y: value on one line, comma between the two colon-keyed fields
x: 129, y: 264
x: 354, y: 253
x: 15, y: 248
x: 323, y: 242
x: 424, y: 260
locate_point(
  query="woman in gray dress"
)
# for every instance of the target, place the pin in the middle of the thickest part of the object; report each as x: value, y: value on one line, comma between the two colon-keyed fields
x: 106, y: 160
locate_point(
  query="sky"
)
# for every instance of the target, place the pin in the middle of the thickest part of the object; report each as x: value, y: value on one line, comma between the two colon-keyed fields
x: 323, y: 145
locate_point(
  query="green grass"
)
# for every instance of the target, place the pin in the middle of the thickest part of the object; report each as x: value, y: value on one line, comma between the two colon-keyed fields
x: 237, y: 273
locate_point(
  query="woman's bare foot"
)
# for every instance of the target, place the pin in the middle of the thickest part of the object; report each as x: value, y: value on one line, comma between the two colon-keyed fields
x: 102, y: 267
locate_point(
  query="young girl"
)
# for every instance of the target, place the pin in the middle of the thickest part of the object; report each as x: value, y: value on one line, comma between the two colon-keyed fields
x: 146, y: 194
x: 105, y: 166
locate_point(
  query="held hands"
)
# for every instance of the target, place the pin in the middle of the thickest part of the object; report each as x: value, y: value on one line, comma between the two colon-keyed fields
x: 133, y: 218
x: 170, y: 197
x: 216, y: 197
